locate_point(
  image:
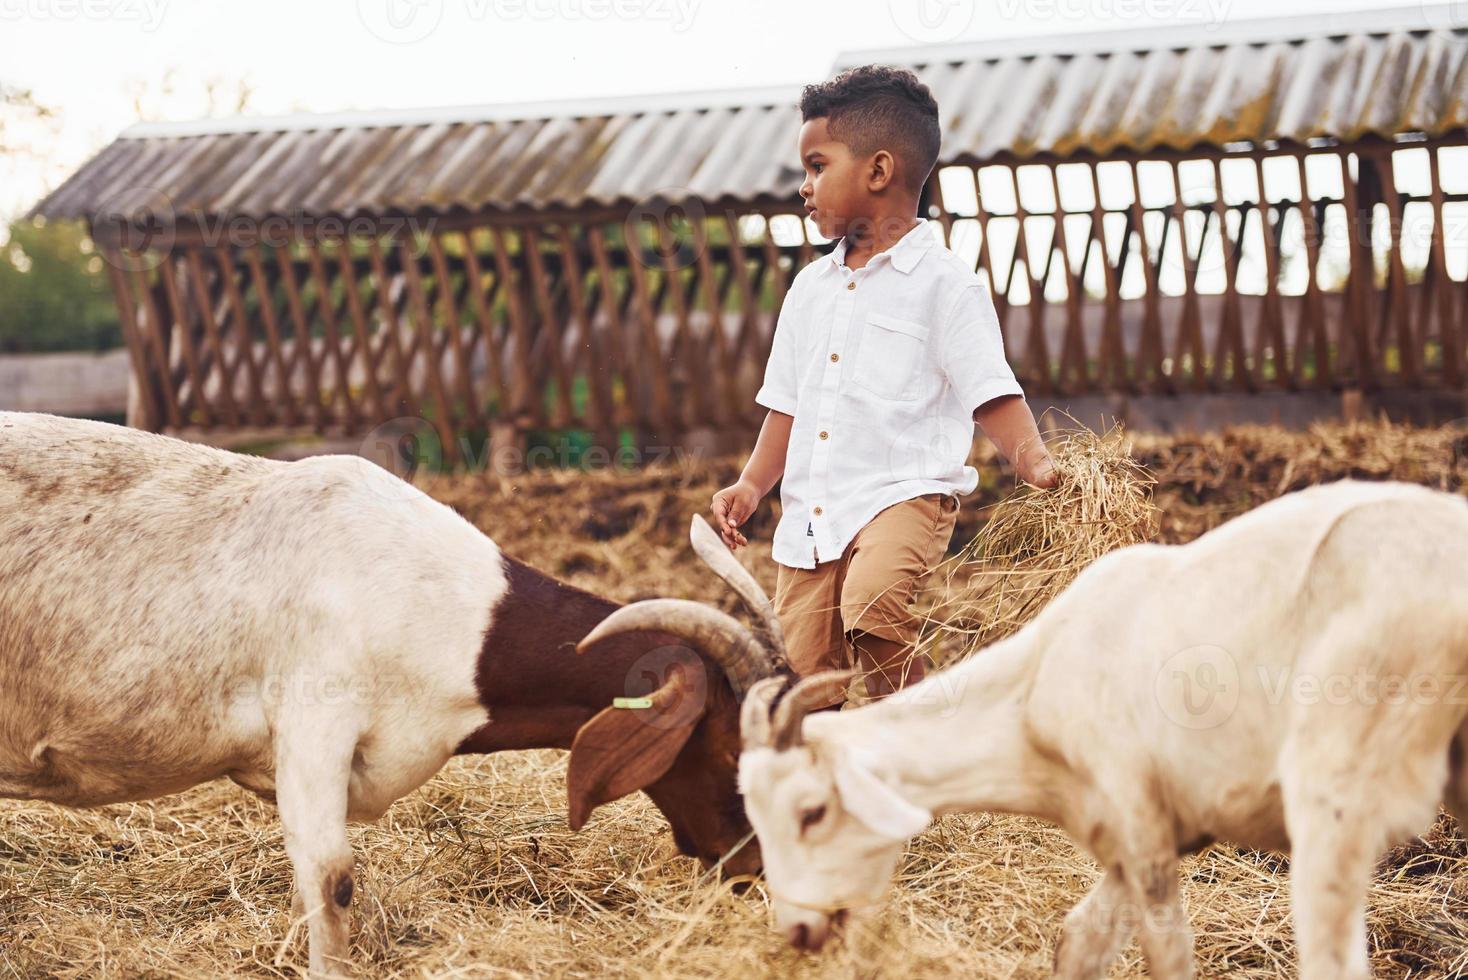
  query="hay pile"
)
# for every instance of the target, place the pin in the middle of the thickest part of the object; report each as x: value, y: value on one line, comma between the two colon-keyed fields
x: 477, y: 875
x: 1204, y: 480
x: 1034, y: 543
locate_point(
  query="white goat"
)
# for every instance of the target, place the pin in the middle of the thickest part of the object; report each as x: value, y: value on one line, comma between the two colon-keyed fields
x: 1293, y: 679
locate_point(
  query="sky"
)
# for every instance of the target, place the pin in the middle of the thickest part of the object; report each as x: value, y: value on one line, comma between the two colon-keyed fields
x: 89, y: 59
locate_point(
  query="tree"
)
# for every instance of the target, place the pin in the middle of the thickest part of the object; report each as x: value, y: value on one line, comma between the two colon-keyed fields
x: 54, y: 293
x: 19, y: 109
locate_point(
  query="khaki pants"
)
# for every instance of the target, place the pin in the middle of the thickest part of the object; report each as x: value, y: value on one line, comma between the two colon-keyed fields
x: 871, y: 587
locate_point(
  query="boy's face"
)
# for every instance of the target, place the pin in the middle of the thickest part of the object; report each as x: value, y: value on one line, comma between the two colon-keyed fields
x: 835, y: 189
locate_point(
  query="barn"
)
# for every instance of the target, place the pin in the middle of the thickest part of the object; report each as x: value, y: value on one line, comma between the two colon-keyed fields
x: 1257, y: 220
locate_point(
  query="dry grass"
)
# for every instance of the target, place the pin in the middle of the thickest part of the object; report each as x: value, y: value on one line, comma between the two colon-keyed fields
x: 1034, y: 542
x: 477, y: 875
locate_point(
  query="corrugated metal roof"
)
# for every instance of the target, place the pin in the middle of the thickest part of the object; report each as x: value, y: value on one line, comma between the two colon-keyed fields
x: 613, y: 151
x: 1334, y: 75
x: 1383, y: 72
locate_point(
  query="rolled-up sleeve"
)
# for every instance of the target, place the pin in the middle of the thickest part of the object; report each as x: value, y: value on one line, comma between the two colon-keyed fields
x: 779, y: 390
x: 972, y: 350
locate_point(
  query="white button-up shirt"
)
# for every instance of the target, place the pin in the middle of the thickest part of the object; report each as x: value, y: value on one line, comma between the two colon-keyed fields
x: 882, y: 368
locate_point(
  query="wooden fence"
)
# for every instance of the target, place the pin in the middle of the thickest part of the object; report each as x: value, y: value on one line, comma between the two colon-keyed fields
x: 659, y: 320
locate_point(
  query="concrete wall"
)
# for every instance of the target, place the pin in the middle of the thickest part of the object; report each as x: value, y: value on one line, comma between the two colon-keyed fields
x: 1204, y: 412
x: 65, y: 384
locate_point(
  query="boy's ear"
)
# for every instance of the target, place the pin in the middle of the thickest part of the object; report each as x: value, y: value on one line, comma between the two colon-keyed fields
x: 883, y: 168
x: 623, y: 750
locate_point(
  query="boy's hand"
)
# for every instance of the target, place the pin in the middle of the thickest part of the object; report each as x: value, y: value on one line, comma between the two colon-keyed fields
x: 732, y: 507
x: 1042, y: 473
x: 1007, y: 421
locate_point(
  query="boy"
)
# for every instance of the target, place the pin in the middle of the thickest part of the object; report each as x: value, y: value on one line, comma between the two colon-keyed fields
x: 885, y: 354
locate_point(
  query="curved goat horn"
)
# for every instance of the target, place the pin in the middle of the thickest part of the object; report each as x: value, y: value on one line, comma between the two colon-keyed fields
x: 710, y: 547
x: 723, y: 638
x: 754, y: 719
x: 815, y: 691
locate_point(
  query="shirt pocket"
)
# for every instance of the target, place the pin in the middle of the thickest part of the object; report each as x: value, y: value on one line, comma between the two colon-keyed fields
x: 892, y: 350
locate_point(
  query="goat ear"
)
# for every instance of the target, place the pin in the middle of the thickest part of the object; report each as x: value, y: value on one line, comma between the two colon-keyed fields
x: 623, y: 750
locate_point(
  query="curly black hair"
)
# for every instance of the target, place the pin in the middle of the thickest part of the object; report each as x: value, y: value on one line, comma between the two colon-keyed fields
x: 880, y: 107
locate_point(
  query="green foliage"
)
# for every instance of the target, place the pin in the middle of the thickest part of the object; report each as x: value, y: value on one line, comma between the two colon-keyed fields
x: 54, y: 293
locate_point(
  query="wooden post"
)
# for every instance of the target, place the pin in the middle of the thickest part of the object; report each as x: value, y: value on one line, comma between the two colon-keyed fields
x: 1312, y: 317
x: 1361, y: 284
x: 1151, y: 375
x: 143, y: 411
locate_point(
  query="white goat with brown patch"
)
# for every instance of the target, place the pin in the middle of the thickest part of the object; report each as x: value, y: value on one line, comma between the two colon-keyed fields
x: 1293, y: 679
x: 327, y: 635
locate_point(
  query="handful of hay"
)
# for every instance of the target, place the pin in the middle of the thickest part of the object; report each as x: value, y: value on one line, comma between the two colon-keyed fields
x: 1035, y: 542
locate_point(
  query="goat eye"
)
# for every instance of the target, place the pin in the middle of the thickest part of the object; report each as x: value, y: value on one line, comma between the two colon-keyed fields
x: 812, y: 816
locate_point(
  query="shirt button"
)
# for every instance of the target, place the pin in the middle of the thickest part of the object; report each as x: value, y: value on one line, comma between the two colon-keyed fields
x: 851, y: 285
x: 824, y: 435
x: 816, y: 511
x: 835, y: 357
